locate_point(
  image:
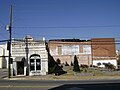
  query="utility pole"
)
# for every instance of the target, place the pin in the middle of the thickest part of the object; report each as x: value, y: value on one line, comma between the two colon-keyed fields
x: 9, y: 28
x: 27, y: 51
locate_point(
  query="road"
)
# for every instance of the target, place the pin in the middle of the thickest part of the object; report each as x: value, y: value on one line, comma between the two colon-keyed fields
x: 59, y: 85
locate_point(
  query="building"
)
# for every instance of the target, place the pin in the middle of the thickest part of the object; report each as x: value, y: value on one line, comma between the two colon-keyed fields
x: 88, y: 52
x: 3, y: 56
x: 66, y: 49
x: 29, y: 57
x: 103, y: 51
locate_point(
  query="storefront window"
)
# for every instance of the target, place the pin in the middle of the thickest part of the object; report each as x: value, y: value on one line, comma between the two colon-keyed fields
x: 38, y: 64
x: 35, y: 63
x: 32, y: 65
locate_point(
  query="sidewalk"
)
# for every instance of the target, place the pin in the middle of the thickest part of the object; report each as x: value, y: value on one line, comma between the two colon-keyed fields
x: 85, y: 76
x: 62, y: 77
x: 3, y: 73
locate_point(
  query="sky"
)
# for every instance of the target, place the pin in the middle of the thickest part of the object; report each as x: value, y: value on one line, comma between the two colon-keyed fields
x: 55, y: 19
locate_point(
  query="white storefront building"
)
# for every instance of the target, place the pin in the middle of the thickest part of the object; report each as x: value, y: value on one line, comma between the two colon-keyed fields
x: 3, y: 56
x: 29, y: 57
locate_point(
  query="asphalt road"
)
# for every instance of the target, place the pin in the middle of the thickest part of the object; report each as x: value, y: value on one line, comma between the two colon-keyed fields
x: 59, y: 85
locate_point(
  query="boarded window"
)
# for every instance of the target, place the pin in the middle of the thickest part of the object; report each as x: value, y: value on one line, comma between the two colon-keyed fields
x: 70, y: 49
x: 87, y: 49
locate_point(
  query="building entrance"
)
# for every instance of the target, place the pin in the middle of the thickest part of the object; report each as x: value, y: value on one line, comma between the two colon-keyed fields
x: 20, y: 68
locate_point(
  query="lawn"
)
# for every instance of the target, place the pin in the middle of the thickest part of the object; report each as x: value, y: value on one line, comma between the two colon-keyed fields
x: 90, y: 72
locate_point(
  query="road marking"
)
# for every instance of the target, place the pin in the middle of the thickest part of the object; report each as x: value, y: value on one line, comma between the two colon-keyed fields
x: 75, y: 88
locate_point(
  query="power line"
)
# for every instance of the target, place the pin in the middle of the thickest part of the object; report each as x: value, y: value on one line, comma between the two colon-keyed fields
x: 53, y: 35
x: 105, y: 26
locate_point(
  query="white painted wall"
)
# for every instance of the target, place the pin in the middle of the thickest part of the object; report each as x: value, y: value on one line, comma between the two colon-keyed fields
x: 3, y: 52
x: 114, y: 62
x: 18, y: 49
x: 0, y: 62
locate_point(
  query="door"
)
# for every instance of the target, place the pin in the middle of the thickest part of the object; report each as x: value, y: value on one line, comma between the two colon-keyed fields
x: 20, y: 68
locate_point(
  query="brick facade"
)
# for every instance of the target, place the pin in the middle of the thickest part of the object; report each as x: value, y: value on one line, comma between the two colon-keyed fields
x: 103, y: 47
x: 103, y: 51
x: 89, y: 52
x: 66, y: 50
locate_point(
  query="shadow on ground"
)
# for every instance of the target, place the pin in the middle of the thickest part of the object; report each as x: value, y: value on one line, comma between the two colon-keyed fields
x: 104, y: 86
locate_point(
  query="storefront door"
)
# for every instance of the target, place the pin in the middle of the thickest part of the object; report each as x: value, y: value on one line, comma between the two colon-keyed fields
x: 20, y: 68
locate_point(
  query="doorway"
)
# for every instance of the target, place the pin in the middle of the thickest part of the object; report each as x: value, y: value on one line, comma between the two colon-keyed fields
x: 20, y: 68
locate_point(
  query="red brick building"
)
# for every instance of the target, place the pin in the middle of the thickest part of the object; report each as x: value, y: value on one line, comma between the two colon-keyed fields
x: 103, y: 51
x: 88, y: 52
x: 66, y: 49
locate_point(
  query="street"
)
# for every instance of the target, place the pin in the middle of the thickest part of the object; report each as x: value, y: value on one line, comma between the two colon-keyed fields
x: 59, y: 85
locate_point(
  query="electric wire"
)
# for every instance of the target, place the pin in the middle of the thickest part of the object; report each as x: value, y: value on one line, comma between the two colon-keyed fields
x: 67, y: 27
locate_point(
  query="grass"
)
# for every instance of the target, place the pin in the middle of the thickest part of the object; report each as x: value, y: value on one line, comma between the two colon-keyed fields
x: 91, y: 72
x: 88, y: 74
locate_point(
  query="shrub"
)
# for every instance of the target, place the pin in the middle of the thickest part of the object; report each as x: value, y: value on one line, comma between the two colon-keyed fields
x: 58, y: 61
x: 66, y: 64
x: 109, y: 66
x: 119, y: 60
x: 76, y: 67
x: 84, y: 66
x: 98, y: 64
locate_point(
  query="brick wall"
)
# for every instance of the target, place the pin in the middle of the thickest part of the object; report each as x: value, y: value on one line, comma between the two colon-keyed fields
x: 56, y: 47
x: 103, y: 47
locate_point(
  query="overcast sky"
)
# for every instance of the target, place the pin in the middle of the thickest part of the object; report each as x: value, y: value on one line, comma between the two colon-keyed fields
x: 61, y: 18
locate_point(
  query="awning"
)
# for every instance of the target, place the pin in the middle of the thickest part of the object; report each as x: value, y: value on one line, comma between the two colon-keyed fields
x: 20, y: 58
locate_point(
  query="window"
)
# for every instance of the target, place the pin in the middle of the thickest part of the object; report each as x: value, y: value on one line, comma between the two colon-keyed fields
x: 35, y: 63
x: 32, y: 65
x: 87, y: 49
x: 38, y: 64
x: 70, y: 49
